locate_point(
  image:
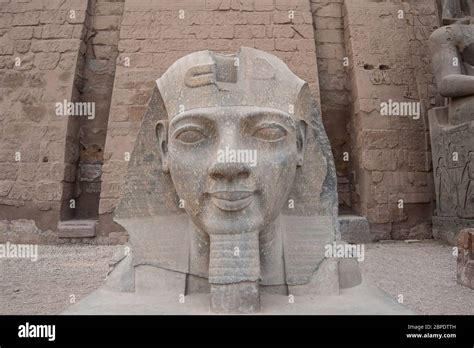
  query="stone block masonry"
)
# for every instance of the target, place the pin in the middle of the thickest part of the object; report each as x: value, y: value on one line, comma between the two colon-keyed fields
x: 390, y: 62
x: 40, y: 42
x: 111, y: 52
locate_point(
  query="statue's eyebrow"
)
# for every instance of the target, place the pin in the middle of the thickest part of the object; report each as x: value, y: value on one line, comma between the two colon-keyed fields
x: 208, y: 113
x: 272, y: 115
x: 196, y: 114
x: 270, y: 112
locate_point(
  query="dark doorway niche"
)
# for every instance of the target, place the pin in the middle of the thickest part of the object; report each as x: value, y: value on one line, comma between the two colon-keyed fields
x: 87, y: 133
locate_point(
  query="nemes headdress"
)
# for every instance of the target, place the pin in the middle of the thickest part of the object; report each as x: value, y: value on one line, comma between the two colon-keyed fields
x: 249, y: 78
x: 159, y: 230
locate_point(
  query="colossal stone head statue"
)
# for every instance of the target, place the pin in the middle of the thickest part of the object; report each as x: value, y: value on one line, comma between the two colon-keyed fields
x: 232, y: 141
x: 231, y: 181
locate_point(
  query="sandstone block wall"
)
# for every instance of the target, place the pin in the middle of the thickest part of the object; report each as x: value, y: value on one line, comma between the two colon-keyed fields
x: 112, y: 51
x: 40, y: 42
x: 389, y: 60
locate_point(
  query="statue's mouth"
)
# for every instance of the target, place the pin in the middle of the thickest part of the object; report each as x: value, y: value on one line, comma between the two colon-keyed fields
x: 232, y: 200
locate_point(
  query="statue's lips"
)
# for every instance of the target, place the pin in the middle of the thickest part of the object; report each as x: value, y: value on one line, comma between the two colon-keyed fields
x: 232, y: 200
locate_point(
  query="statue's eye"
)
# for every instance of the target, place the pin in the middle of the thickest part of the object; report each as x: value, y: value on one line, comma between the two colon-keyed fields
x: 190, y: 135
x: 270, y: 132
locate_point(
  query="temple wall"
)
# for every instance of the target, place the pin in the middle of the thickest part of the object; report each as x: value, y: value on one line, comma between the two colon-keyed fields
x: 112, y: 52
x: 389, y: 60
x: 40, y: 44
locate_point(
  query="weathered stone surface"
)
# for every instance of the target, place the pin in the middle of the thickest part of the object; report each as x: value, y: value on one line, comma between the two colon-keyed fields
x: 354, y: 229
x: 238, y: 298
x: 77, y: 229
x: 451, y: 127
x: 5, y: 187
x: 24, y: 226
x: 387, y: 67
x: 325, y: 281
x: 123, y: 280
x: 418, y: 232
x: 349, y: 273
x: 454, y: 10
x: 157, y: 281
x: 232, y: 235
x: 465, y: 267
x: 359, y: 300
x: 446, y: 228
x: 89, y: 172
x: 24, y: 231
x: 36, y: 74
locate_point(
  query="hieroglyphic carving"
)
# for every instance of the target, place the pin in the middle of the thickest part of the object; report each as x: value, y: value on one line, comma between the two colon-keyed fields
x: 454, y: 172
x: 452, y: 126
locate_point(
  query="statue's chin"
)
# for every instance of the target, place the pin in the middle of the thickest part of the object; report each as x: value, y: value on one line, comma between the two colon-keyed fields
x: 237, y: 226
x: 235, y: 214
x: 236, y: 223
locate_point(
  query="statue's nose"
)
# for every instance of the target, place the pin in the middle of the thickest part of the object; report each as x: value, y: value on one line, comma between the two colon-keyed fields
x: 227, y: 165
x: 229, y: 170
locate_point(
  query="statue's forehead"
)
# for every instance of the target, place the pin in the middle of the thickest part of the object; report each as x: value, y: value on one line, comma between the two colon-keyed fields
x: 233, y: 111
x: 207, y: 79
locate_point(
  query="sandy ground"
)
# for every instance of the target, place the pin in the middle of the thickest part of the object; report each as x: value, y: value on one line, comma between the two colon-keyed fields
x: 46, y: 286
x: 424, y: 273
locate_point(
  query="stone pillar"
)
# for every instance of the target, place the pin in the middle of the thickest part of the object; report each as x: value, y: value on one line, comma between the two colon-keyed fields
x: 334, y: 85
x: 389, y: 66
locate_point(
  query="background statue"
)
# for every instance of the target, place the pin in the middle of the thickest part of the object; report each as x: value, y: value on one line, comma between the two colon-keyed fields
x: 456, y: 10
x: 452, y: 49
x: 451, y: 126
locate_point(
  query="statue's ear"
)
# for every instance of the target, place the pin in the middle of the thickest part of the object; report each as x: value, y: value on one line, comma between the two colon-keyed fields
x: 301, y: 129
x: 161, y: 130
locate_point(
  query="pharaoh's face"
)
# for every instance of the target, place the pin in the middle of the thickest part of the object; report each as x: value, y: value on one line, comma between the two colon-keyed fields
x: 232, y: 166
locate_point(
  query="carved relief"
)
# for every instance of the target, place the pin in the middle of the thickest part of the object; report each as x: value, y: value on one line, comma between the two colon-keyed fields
x: 451, y: 127
x: 453, y: 171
